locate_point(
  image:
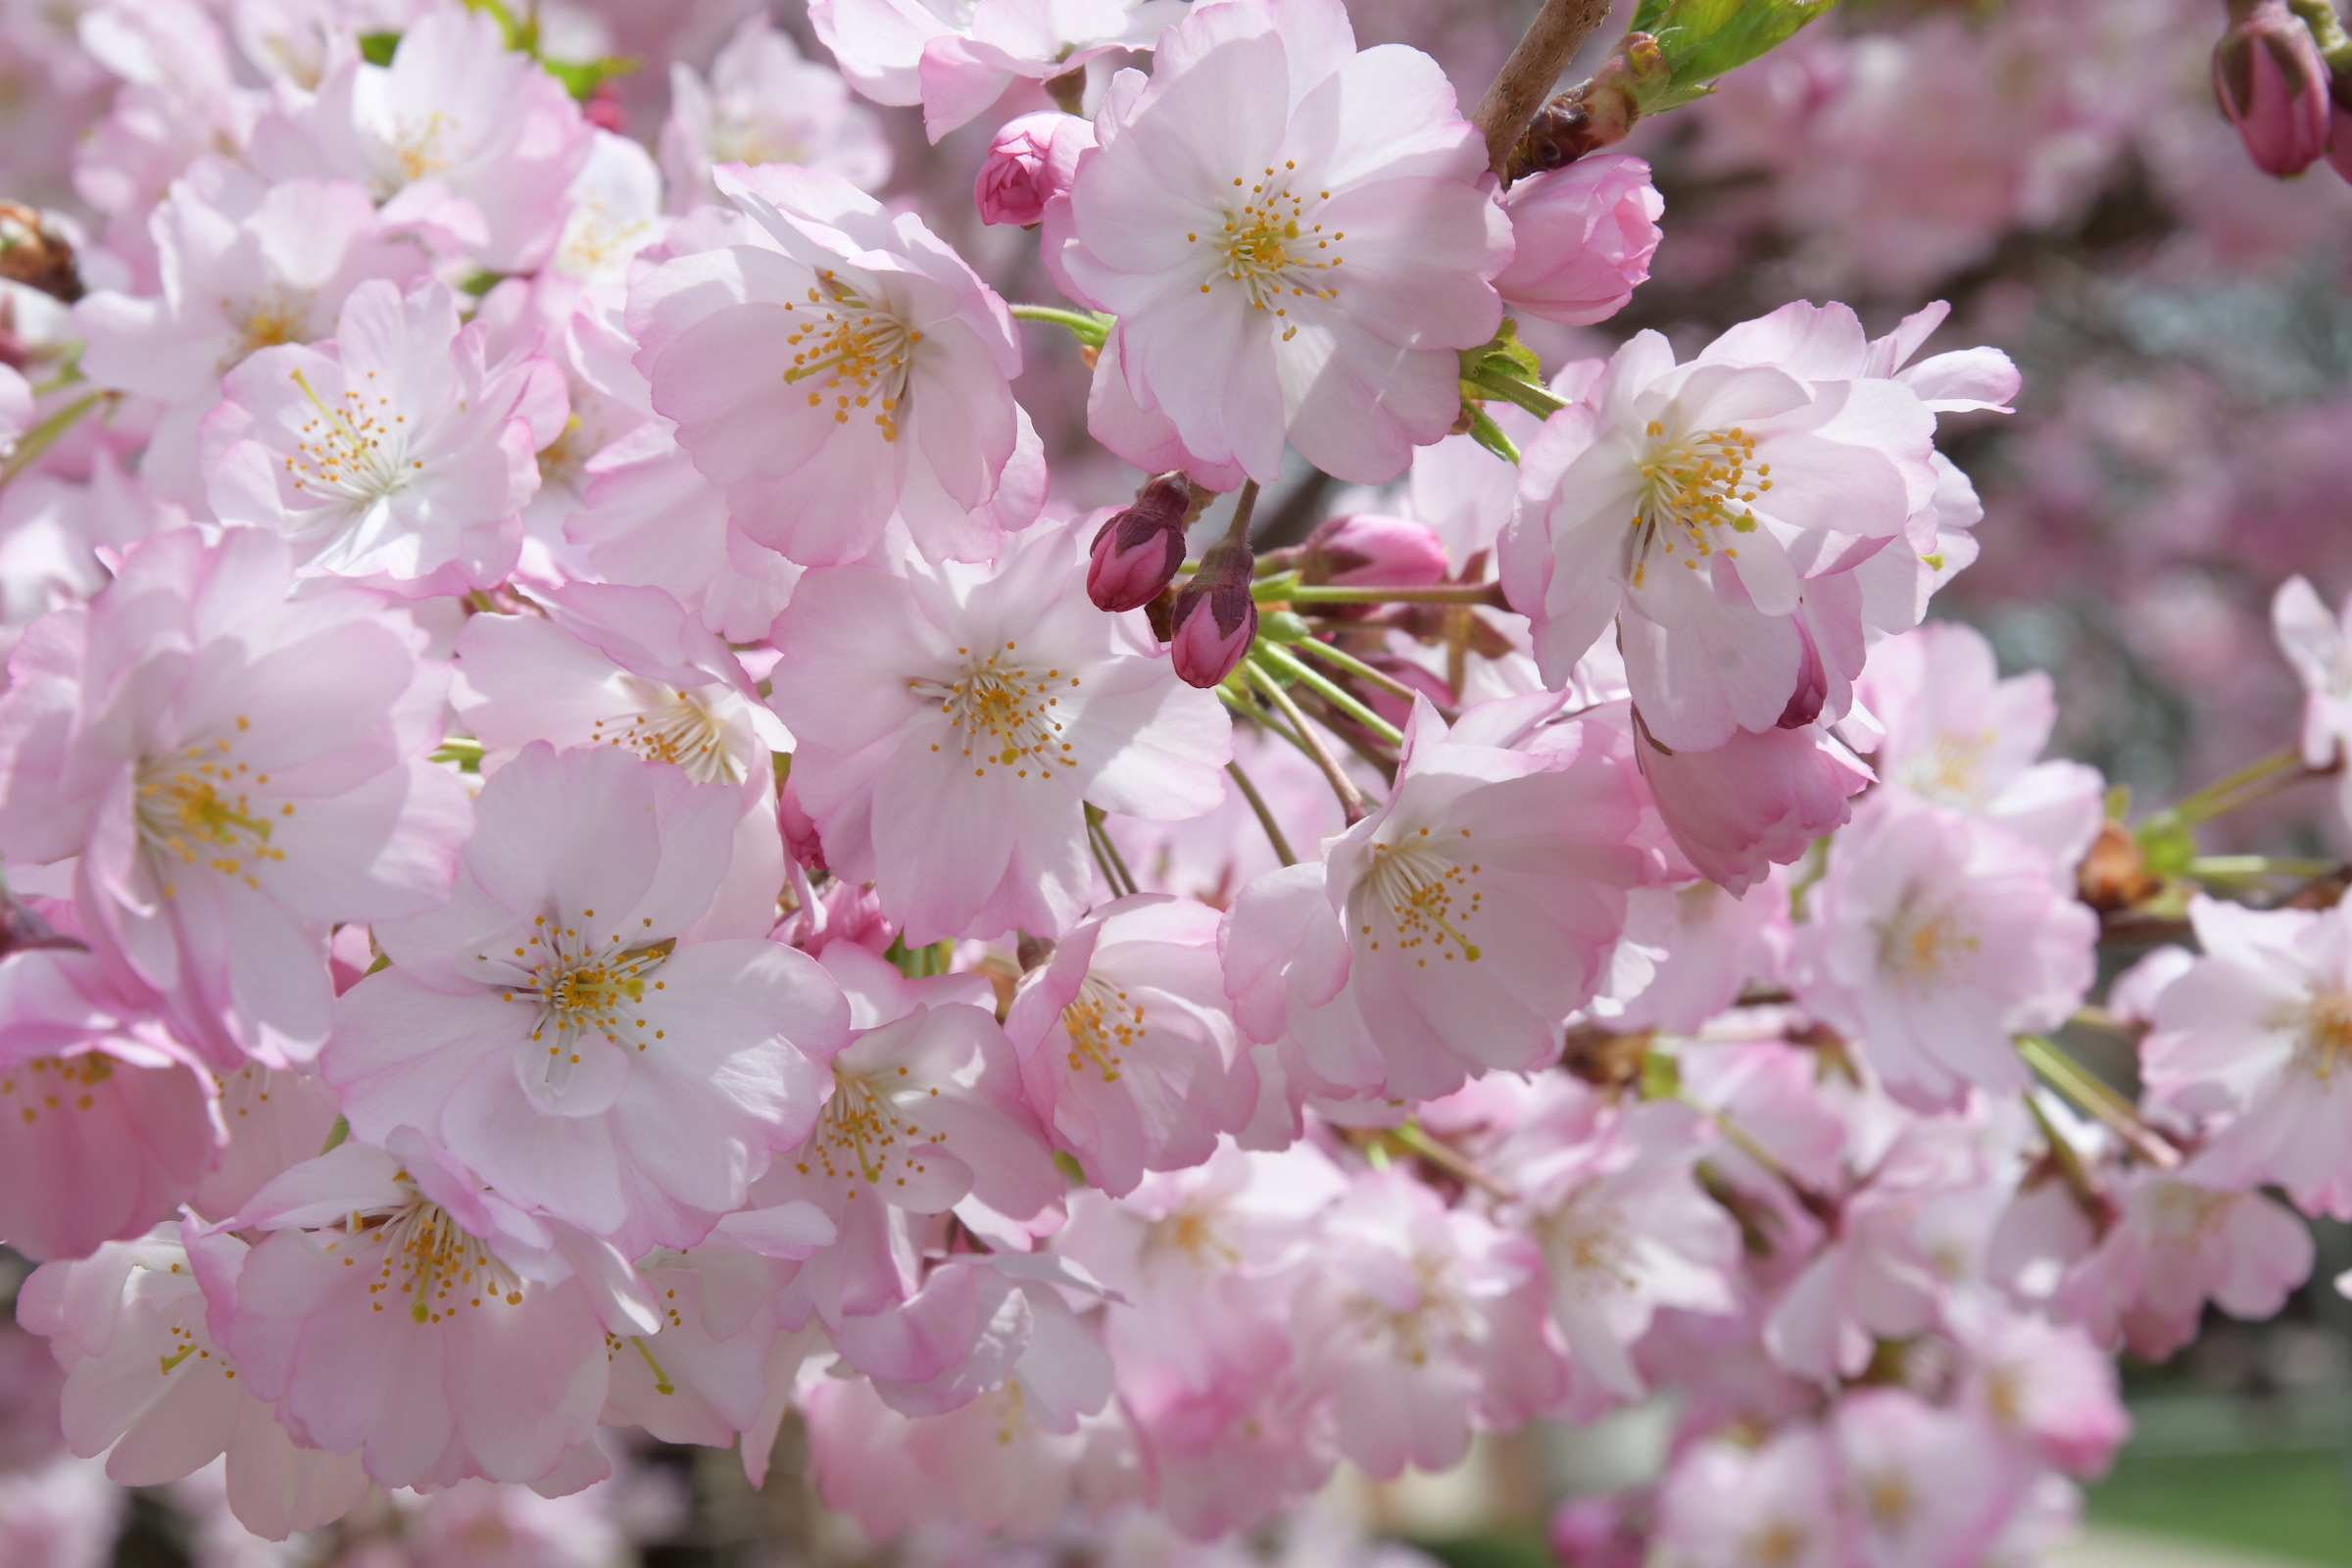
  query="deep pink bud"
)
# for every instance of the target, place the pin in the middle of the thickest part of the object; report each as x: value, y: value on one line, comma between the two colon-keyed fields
x: 801, y: 839
x: 1032, y: 160
x: 1138, y: 549
x: 1599, y: 1532
x: 1215, y: 617
x: 2273, y: 84
x: 1812, y: 686
x: 603, y: 109
x: 1367, y: 549
x: 1756, y: 801
x: 1582, y: 240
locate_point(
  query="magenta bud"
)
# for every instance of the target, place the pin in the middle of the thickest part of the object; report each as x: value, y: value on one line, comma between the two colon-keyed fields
x: 1032, y: 160
x: 2272, y: 85
x: 1138, y: 549
x: 1369, y: 550
x: 1812, y: 687
x: 1215, y: 619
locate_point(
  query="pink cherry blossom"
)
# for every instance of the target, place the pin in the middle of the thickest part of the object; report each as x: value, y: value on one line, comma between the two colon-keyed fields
x: 2314, y: 644
x: 1611, y: 1199
x: 1128, y: 1051
x: 1244, y: 331
x: 621, y: 1083
x: 244, y: 265
x: 1934, y: 938
x: 1716, y: 944
x: 832, y: 367
x: 1032, y: 160
x: 1422, y: 1323
x: 395, y: 454
x: 2045, y: 1385
x: 1759, y: 800
x: 1763, y: 479
x: 958, y: 62
x: 764, y: 104
x: 1930, y: 1488
x: 1725, y: 1505
x: 106, y: 1122
x: 234, y: 772
x: 2247, y: 1039
x: 398, y: 1309
x: 948, y: 759
x: 149, y: 1385
x: 2178, y: 1241
x: 1466, y: 918
x: 455, y: 120
x: 1582, y: 238
x: 1961, y: 736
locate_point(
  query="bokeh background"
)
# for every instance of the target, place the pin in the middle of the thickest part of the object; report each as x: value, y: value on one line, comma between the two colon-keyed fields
x: 2057, y: 171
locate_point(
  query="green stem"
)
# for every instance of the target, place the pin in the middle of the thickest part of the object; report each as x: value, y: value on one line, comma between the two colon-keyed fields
x: 1487, y: 433
x: 463, y: 750
x: 1265, y: 817
x: 42, y: 436
x: 662, y: 1383
x: 1453, y: 593
x: 1354, y: 666
x: 2247, y: 867
x: 2093, y: 1096
x: 1106, y: 854
x: 2210, y: 801
x: 1087, y: 329
x: 1538, y: 401
x: 1298, y: 670
x: 336, y: 1133
x: 1414, y: 1140
x: 1352, y: 799
x: 2068, y: 1158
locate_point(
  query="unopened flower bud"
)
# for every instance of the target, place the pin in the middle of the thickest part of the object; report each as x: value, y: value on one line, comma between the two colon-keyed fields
x: 1597, y: 112
x: 1367, y: 549
x: 1582, y: 240
x: 1032, y: 160
x: 1215, y: 619
x: 36, y: 255
x: 1138, y: 549
x: 1812, y: 686
x: 2273, y: 84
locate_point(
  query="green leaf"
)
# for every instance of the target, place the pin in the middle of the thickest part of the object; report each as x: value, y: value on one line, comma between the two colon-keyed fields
x: 2168, y: 844
x: 1661, y: 1075
x: 1703, y: 40
x: 582, y: 77
x: 1282, y: 626
x: 377, y: 48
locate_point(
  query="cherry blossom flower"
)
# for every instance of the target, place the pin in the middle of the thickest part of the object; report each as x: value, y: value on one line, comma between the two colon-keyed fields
x: 1582, y: 238
x: 947, y: 760
x: 149, y: 1385
x: 2045, y: 1385
x: 623, y: 1079
x: 629, y: 667
x: 396, y: 455
x: 1725, y: 1505
x: 2314, y: 644
x: 1963, y: 737
x: 244, y: 265
x: 903, y: 352
x: 398, y: 1309
x: 1718, y: 944
x: 1466, y: 918
x: 1759, y: 799
x: 1752, y: 479
x: 1423, y: 1323
x: 1245, y: 329
x: 1933, y: 939
x: 17, y: 410
x: 958, y: 60
x: 1611, y: 1199
x: 2181, y: 1239
x: 1930, y: 1488
x: 2249, y: 1039
x: 763, y: 104
x: 106, y: 1121
x: 455, y: 120
x: 234, y: 772
x: 1128, y: 1052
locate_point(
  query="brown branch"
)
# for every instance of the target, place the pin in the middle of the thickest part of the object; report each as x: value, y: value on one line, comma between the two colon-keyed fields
x: 1532, y: 71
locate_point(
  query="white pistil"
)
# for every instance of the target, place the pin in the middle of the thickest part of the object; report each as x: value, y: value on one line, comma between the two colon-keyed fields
x: 351, y: 453
x: 1692, y: 484
x: 423, y: 1255
x: 579, y: 989
x: 1271, y: 246
x: 195, y: 806
x: 674, y: 725
x: 865, y: 352
x: 1428, y: 893
x: 863, y: 1139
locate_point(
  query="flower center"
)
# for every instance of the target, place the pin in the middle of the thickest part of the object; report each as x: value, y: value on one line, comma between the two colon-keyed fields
x: 1442, y: 1318
x: 1269, y: 246
x: 284, y: 316
x: 424, y: 1255
x: 1102, y: 1026
x: 1951, y: 768
x: 419, y: 150
x: 49, y: 1084
x: 861, y: 349
x: 1691, y: 485
x: 1918, y: 946
x: 2324, y: 1034
x: 1003, y: 713
x: 1777, y: 1545
x: 861, y: 1137
x: 349, y: 454
x: 1192, y: 1232
x: 2186, y: 1216
x: 194, y: 806
x: 676, y: 726
x: 1588, y: 1251
x: 579, y: 991
x: 1427, y: 895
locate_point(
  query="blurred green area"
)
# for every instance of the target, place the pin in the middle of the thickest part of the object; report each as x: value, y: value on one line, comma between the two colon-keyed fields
x: 2292, y: 1504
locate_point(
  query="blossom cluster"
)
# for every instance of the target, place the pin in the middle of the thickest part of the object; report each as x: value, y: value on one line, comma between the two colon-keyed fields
x: 564, y: 726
